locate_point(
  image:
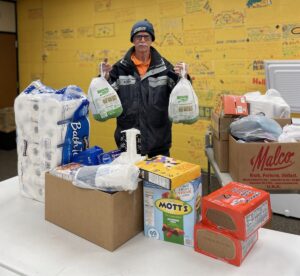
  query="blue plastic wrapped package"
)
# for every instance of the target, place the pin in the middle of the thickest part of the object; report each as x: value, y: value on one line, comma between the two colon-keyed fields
x: 77, y: 135
x: 255, y: 128
x: 89, y: 157
x: 108, y: 157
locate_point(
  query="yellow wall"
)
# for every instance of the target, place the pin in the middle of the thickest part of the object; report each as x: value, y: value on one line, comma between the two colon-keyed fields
x: 61, y: 42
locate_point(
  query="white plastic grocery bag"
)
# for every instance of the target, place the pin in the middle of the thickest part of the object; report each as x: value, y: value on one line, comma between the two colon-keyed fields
x: 104, y: 100
x: 183, y: 103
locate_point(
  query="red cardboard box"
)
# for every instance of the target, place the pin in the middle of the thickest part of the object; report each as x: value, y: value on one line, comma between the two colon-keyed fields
x: 232, y: 105
x: 221, y: 245
x: 238, y: 209
x: 235, y: 105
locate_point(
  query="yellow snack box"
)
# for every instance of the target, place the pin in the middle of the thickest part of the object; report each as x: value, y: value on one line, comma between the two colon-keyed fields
x: 167, y: 172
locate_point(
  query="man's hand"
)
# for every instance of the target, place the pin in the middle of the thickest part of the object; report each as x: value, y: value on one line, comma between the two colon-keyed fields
x: 181, y: 69
x: 105, y: 68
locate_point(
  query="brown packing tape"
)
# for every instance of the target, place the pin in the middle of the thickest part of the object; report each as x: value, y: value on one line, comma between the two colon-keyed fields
x: 216, y: 244
x: 220, y: 219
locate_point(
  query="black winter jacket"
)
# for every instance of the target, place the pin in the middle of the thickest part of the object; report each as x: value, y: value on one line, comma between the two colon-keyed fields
x: 145, y: 101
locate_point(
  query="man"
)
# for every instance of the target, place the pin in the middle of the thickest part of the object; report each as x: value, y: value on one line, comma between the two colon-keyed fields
x: 144, y: 80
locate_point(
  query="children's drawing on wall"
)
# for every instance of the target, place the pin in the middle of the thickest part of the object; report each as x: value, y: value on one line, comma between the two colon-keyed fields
x: 264, y: 33
x: 192, y: 6
x: 104, y: 30
x: 85, y: 31
x: 258, y: 3
x: 229, y: 18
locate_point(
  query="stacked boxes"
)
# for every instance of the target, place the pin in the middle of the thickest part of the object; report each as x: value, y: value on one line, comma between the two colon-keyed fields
x: 228, y: 108
x: 172, y: 199
x: 231, y: 217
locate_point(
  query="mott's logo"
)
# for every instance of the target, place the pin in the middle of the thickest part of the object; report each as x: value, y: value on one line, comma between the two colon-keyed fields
x: 173, y: 206
x: 266, y: 161
x: 103, y: 91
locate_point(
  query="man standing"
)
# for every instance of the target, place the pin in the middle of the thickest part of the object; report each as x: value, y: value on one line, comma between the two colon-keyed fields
x: 144, y: 80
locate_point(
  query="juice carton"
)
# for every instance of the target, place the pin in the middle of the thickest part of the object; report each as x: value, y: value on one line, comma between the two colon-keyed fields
x: 237, y: 209
x: 170, y: 215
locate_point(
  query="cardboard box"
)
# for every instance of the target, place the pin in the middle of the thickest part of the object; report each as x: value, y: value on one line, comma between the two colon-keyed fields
x: 236, y: 208
x: 171, y: 215
x: 220, y: 245
x: 232, y: 105
x: 7, y: 119
x: 168, y: 172
x: 221, y: 154
x: 268, y: 166
x: 220, y: 126
x: 106, y: 219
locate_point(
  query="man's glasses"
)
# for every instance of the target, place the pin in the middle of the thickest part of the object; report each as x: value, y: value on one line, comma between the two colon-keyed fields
x: 140, y: 37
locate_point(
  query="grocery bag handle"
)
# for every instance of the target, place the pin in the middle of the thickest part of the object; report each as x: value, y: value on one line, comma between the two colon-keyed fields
x: 183, y: 70
x: 101, y: 69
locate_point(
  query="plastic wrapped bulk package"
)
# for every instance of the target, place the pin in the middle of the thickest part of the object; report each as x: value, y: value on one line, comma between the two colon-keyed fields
x: 52, y: 127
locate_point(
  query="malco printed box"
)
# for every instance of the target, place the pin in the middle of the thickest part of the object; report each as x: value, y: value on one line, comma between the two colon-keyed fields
x: 237, y: 209
x: 171, y: 215
x: 220, y: 245
x: 268, y: 166
x: 167, y: 172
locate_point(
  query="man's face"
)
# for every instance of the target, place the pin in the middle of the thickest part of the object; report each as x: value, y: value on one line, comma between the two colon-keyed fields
x: 142, y: 41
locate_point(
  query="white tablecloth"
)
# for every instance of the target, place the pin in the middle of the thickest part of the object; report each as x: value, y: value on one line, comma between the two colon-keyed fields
x: 29, y: 245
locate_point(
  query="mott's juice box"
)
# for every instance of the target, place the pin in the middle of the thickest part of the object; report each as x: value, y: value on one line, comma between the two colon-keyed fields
x: 170, y: 215
x: 167, y: 172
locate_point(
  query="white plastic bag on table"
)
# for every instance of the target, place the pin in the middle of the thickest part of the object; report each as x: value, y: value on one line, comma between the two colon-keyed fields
x: 183, y: 103
x: 104, y: 100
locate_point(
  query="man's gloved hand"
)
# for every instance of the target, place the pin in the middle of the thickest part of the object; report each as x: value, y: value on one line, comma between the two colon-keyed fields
x: 105, y: 68
x: 181, y: 69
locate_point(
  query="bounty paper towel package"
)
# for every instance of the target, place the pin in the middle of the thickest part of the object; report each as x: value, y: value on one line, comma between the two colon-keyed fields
x: 52, y: 128
x: 170, y: 215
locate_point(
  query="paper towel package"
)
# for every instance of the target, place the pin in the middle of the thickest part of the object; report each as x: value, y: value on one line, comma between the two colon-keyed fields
x: 52, y: 127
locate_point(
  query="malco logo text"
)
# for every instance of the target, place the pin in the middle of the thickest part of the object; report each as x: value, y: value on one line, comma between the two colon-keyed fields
x: 266, y: 161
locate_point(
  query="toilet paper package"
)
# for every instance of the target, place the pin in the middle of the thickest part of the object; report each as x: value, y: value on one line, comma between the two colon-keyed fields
x: 52, y: 127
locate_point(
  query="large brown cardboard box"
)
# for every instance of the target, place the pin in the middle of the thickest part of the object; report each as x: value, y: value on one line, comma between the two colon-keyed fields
x: 221, y: 148
x: 269, y: 166
x: 108, y: 220
x: 220, y: 126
